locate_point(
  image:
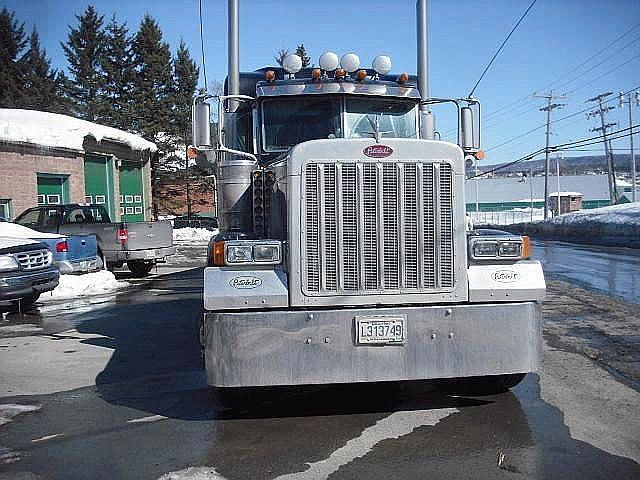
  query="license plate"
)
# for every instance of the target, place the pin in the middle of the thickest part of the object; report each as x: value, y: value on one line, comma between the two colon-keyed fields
x: 380, y: 330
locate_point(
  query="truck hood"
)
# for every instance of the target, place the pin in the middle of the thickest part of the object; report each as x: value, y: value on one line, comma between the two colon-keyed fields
x: 8, y: 242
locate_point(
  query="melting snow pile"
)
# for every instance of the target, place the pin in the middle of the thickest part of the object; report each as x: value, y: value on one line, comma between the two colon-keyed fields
x: 96, y: 283
x: 625, y: 214
x: 62, y: 131
x: 193, y: 236
x: 10, y: 410
x: 193, y: 473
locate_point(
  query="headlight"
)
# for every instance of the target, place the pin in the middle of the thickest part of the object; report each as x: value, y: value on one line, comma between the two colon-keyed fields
x: 239, y: 254
x: 8, y: 263
x: 500, y: 248
x: 243, y: 252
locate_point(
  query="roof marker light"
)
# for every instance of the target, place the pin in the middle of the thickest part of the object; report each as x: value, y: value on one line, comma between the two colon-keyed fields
x: 292, y: 63
x: 270, y: 75
x: 329, y: 61
x: 362, y: 74
x: 382, y: 64
x: 316, y: 74
x: 404, y: 76
x: 350, y: 62
x: 340, y: 73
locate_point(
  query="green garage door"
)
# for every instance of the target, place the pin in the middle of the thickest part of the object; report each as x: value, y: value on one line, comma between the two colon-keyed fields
x: 131, y: 192
x: 98, y: 181
x: 52, y: 189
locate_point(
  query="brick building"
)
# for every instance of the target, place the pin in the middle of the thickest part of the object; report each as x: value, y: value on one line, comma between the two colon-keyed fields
x: 47, y: 158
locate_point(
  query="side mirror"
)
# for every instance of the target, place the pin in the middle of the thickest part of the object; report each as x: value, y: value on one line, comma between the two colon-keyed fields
x: 470, y: 128
x: 201, y: 127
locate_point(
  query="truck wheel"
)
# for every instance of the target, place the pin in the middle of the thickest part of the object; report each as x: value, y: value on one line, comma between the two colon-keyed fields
x: 139, y: 268
x: 26, y: 303
x: 488, y: 385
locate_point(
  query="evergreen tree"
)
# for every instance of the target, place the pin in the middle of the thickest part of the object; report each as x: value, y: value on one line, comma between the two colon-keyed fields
x: 302, y: 53
x: 185, y: 82
x: 153, y: 94
x: 83, y: 50
x: 280, y: 56
x: 39, y: 81
x: 12, y: 42
x: 118, y: 74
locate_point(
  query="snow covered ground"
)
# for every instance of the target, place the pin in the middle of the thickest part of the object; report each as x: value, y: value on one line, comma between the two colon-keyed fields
x: 192, y: 236
x: 74, y: 286
x: 625, y: 214
x: 616, y: 225
x: 507, y: 217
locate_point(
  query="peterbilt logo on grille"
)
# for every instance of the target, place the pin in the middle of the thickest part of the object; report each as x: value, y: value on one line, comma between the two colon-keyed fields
x: 245, y: 282
x: 505, y: 276
x: 378, y: 151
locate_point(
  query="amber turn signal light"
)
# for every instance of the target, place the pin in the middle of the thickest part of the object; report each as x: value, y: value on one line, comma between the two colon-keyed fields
x: 218, y: 254
x: 526, y: 247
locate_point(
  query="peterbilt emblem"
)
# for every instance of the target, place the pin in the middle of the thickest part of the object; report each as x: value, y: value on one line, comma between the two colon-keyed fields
x: 505, y: 276
x: 245, y: 282
x: 377, y: 151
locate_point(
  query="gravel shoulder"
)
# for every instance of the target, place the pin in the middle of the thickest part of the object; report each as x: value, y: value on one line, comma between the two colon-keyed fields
x: 602, y: 328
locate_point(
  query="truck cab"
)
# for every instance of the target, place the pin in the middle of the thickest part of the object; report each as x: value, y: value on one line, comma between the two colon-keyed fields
x: 343, y: 254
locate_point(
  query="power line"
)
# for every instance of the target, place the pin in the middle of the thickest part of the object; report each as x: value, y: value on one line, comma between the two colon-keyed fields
x: 204, y: 65
x: 517, y: 103
x: 564, y: 146
x: 501, y: 47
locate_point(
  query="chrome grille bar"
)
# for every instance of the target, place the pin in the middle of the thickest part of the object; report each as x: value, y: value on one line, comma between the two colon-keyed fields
x: 377, y: 227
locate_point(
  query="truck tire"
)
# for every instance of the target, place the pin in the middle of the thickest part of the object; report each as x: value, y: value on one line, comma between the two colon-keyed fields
x: 27, y: 303
x: 139, y: 268
x: 488, y: 385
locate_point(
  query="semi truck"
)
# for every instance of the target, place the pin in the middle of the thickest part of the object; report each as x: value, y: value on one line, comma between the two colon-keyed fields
x: 343, y: 255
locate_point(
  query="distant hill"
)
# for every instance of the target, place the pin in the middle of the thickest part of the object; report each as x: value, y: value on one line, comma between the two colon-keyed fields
x: 568, y: 165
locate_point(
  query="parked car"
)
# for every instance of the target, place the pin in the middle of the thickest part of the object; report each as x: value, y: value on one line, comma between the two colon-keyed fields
x: 71, y: 253
x: 138, y: 244
x: 196, y: 221
x: 26, y: 270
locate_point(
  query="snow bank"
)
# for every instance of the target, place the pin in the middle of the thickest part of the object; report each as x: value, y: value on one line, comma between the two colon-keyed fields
x: 55, y: 130
x: 616, y: 226
x: 507, y: 217
x: 193, y: 236
x: 14, y: 230
x: 193, y: 473
x: 8, y: 411
x: 96, y: 283
x: 625, y: 214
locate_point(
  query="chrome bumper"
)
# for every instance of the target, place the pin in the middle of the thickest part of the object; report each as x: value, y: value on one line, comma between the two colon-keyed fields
x: 77, y: 266
x: 151, y: 254
x: 282, y: 347
x: 22, y: 284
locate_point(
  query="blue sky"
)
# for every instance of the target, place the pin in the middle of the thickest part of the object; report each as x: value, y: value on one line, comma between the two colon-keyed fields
x: 556, y: 37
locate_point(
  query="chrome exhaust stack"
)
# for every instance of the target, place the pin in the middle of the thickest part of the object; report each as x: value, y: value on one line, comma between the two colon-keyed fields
x: 427, y: 120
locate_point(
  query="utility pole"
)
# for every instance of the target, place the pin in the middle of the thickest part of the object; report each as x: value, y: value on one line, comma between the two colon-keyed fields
x: 633, y: 156
x: 550, y: 106
x: 613, y: 193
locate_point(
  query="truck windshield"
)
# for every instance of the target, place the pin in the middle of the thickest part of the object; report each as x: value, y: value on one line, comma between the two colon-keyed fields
x: 293, y: 120
x: 290, y: 121
x: 393, y: 119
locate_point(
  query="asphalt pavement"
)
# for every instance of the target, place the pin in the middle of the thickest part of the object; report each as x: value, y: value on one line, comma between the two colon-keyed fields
x: 115, y: 389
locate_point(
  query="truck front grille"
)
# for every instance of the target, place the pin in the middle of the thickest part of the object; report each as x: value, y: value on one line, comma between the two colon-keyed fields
x: 377, y: 228
x: 34, y: 259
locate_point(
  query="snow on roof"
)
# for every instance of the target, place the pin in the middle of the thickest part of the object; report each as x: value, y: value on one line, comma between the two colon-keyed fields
x: 566, y: 194
x: 62, y: 131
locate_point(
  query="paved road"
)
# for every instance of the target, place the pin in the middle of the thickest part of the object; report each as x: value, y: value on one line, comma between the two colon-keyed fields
x: 615, y: 271
x: 117, y: 390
